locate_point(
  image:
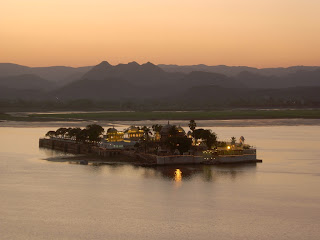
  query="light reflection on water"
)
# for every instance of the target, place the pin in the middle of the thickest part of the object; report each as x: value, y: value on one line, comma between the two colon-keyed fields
x: 47, y: 200
x: 177, y: 175
x: 206, y: 173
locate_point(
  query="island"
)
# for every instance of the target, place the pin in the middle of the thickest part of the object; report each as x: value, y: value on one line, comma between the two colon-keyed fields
x: 146, y: 146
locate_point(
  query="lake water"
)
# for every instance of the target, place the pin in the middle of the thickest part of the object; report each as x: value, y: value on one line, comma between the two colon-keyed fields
x: 276, y: 199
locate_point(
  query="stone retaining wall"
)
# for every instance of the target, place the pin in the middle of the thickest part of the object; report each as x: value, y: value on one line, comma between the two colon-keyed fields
x: 65, y: 146
x: 237, y: 158
x: 81, y: 148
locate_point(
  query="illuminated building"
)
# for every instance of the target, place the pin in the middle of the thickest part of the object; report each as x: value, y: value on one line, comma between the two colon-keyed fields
x: 113, y: 135
x: 135, y: 133
x: 165, y: 131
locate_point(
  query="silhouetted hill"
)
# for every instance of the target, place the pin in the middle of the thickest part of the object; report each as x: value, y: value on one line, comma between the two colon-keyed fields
x: 149, y: 74
x: 10, y: 69
x: 26, y: 82
x: 147, y: 84
x: 255, y: 80
x: 98, y: 72
x: 304, y: 78
x: 299, y: 78
x: 235, y: 70
x: 148, y: 81
x: 133, y: 80
x: 217, y: 96
x: 199, y: 78
x: 146, y: 74
x: 58, y: 74
x: 221, y: 69
x: 106, y: 89
x: 19, y: 94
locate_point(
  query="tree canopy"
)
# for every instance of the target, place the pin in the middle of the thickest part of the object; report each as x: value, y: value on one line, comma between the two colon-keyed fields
x: 91, y: 133
x: 156, y: 128
x: 177, y: 141
x: 209, y: 137
x: 192, y: 125
x: 94, y: 132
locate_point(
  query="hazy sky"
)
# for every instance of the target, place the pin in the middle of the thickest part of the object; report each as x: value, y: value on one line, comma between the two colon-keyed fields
x: 260, y: 33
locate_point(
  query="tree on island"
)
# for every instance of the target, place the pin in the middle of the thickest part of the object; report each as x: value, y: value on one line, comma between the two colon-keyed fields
x: 192, y: 125
x: 156, y: 128
x: 209, y: 137
x: 145, y: 140
x: 221, y: 144
x: 51, y: 134
x: 82, y: 136
x: 197, y: 134
x: 177, y: 141
x: 94, y: 132
x: 73, y: 133
x: 233, y: 141
x: 61, y: 132
x: 173, y: 131
x: 147, y: 132
x: 241, y: 140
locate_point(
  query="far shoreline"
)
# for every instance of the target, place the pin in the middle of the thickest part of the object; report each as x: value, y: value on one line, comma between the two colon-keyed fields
x: 182, y: 123
x: 231, y: 114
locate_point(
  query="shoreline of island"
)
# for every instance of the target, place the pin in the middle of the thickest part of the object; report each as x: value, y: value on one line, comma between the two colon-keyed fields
x: 167, y: 144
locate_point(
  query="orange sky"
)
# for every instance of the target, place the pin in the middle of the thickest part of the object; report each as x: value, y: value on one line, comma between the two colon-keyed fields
x: 259, y: 33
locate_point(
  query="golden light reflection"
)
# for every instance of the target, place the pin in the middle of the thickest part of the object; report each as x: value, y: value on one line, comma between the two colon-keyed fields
x: 177, y: 175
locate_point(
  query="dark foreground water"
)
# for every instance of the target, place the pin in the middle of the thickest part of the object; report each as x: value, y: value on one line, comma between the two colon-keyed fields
x: 277, y: 199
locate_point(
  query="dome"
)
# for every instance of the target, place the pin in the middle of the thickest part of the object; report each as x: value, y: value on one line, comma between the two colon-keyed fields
x: 112, y: 130
x: 134, y: 129
x: 165, y: 129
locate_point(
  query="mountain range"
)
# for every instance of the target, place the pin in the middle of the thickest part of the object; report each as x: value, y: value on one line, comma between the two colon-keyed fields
x: 235, y: 70
x: 135, y: 81
x: 56, y: 74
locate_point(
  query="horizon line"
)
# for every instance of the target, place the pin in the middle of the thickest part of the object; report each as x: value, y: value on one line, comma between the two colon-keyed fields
x: 167, y: 64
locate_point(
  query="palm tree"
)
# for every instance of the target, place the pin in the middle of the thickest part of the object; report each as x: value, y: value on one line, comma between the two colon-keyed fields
x: 241, y: 140
x: 146, y: 131
x: 233, y: 141
x: 157, y: 129
x: 192, y: 125
x: 146, y: 138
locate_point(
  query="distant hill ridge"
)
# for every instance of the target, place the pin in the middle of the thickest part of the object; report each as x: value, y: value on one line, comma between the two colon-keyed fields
x: 26, y: 82
x: 58, y: 74
x: 149, y: 81
x: 235, y: 70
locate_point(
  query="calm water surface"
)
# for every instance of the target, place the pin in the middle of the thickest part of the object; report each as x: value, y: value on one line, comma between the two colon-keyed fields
x: 276, y: 199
